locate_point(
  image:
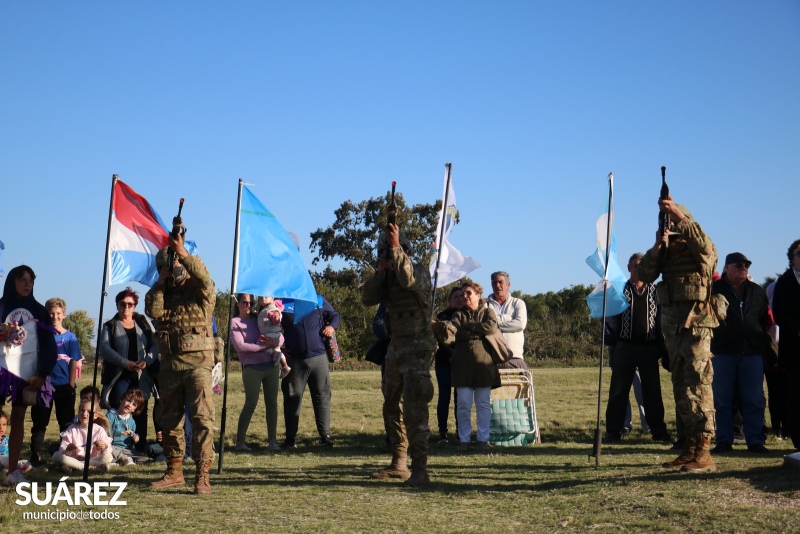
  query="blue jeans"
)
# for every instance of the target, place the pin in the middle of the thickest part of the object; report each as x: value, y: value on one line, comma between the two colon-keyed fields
x: 745, y: 373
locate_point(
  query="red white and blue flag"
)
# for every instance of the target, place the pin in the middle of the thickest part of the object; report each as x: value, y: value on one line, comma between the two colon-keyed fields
x: 137, y: 234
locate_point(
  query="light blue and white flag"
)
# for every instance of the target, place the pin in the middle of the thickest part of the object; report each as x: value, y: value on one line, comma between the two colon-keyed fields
x: 452, y: 264
x: 613, y: 279
x: 268, y: 261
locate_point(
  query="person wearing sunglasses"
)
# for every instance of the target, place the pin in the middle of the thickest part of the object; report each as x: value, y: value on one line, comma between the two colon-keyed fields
x: 739, y: 347
x: 130, y: 358
x: 685, y: 258
x: 258, y: 370
x: 786, y: 305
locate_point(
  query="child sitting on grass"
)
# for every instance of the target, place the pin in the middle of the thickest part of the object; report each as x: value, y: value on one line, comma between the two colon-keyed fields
x: 99, y: 418
x: 3, y: 439
x: 72, y: 452
x: 123, y: 427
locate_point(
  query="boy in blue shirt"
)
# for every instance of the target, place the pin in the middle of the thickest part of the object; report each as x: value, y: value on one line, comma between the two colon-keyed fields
x: 62, y: 378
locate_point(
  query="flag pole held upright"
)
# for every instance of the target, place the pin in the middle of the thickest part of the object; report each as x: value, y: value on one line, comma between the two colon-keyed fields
x: 598, y: 434
x: 448, y: 169
x: 103, y: 295
x: 234, y: 267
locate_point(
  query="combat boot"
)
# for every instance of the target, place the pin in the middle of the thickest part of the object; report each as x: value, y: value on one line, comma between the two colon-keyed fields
x: 173, y: 477
x: 201, y: 484
x: 686, y: 456
x: 702, y: 461
x: 419, y: 473
x: 397, y: 469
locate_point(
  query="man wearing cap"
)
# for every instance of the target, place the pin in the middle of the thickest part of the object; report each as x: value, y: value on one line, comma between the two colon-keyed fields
x: 739, y: 347
x: 685, y: 258
x: 512, y: 317
x: 405, y: 287
x: 181, y: 304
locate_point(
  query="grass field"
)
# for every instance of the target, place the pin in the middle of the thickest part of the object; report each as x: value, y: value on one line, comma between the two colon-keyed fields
x: 549, y: 487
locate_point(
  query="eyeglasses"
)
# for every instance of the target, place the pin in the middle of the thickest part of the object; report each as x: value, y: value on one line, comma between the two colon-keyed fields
x: 468, y: 293
x: 125, y: 304
x: 741, y: 266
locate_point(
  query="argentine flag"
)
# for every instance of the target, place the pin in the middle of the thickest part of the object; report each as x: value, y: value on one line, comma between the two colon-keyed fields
x: 613, y: 279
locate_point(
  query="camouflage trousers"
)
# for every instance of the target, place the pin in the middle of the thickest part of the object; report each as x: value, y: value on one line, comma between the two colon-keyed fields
x: 692, y: 373
x: 407, y: 378
x: 178, y: 389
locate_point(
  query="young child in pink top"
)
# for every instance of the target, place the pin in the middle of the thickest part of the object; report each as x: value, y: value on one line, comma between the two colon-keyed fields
x: 269, y: 324
x: 72, y: 452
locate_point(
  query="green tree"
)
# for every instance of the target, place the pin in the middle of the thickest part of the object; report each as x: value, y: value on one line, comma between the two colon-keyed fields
x: 559, y: 326
x: 80, y: 324
x: 353, y: 236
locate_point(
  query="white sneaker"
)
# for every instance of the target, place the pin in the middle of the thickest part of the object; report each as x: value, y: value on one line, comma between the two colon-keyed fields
x: 12, y: 479
x: 125, y: 460
x: 242, y: 446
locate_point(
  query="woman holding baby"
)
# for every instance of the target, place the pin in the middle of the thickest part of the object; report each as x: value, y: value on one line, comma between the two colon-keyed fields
x: 260, y: 370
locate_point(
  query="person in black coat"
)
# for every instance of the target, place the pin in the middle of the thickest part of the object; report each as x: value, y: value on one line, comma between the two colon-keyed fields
x: 739, y: 346
x: 786, y: 308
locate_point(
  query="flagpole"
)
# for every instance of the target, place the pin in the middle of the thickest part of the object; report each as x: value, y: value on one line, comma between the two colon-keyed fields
x: 448, y: 168
x: 230, y: 319
x: 103, y: 295
x: 598, y: 435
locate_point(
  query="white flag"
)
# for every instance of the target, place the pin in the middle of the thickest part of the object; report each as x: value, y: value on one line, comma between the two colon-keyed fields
x: 452, y: 265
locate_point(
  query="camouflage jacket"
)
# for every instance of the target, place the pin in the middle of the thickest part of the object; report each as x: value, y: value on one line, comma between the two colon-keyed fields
x: 686, y: 276
x: 182, y: 319
x: 407, y: 296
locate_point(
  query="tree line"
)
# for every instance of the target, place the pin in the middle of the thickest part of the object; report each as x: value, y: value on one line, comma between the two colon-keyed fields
x: 559, y: 329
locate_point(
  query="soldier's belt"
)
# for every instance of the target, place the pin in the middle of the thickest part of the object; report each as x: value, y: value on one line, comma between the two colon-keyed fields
x: 195, y: 339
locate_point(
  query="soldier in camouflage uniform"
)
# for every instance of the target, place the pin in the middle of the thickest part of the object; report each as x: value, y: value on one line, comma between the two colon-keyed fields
x: 405, y: 288
x: 181, y: 304
x: 689, y: 312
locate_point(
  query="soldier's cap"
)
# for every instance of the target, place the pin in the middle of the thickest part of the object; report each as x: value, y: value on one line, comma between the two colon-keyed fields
x: 737, y: 257
x: 404, y: 242
x: 161, y: 257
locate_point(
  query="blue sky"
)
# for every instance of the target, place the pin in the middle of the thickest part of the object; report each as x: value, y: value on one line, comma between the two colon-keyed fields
x: 319, y: 102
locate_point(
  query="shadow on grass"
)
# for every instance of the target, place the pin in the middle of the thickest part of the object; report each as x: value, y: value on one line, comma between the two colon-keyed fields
x: 538, y: 468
